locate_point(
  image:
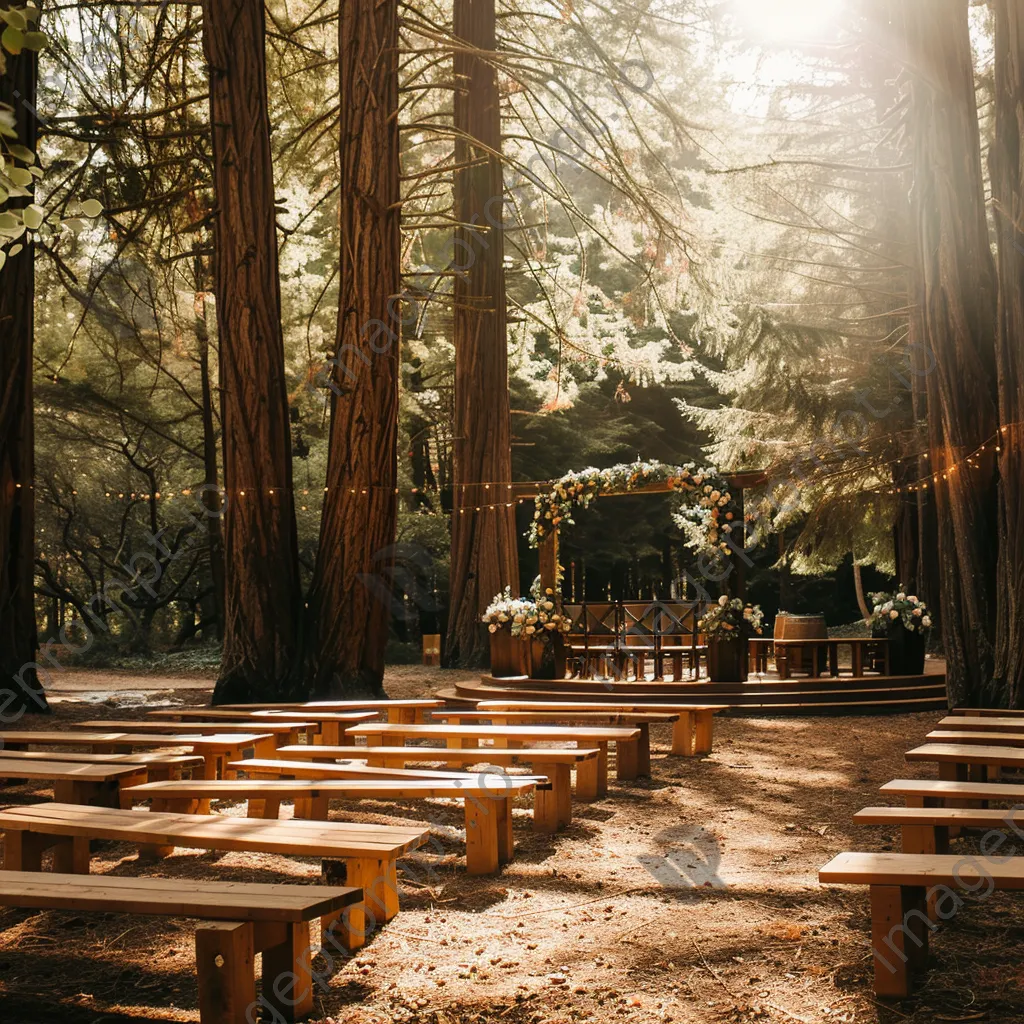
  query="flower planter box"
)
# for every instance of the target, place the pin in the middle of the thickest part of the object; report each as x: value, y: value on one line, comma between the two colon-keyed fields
x: 509, y: 655
x: 727, y: 661
x: 906, y: 652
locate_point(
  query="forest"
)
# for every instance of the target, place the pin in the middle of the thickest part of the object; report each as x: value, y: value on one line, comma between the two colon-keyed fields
x: 295, y: 299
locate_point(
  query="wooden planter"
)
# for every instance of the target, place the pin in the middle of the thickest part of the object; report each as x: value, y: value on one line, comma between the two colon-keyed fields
x: 509, y: 655
x: 906, y: 652
x: 541, y: 649
x: 727, y: 661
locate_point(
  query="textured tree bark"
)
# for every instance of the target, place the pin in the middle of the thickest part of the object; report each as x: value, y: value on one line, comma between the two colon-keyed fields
x: 483, y: 552
x: 262, y: 595
x: 1006, y: 165
x: 351, y: 593
x: 18, y: 639
x: 958, y: 318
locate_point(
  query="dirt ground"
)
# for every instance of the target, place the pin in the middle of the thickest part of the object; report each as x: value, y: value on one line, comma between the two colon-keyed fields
x: 690, y: 896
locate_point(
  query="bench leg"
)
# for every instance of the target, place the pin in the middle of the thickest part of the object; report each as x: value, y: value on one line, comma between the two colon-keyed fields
x: 481, y: 836
x: 587, y: 781
x: 552, y: 808
x: 627, y: 760
x: 704, y: 732
x: 287, y: 975
x: 311, y: 808
x: 927, y: 839
x: 899, y: 937
x: 644, y: 749
x: 23, y: 851
x: 506, y: 843
x: 379, y: 881
x: 682, y: 735
x: 602, y: 768
x: 71, y: 855
x: 225, y: 965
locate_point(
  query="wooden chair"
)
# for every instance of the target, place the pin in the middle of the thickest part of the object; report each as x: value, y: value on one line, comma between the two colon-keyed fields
x: 236, y: 920
x: 575, y: 641
x: 602, y: 640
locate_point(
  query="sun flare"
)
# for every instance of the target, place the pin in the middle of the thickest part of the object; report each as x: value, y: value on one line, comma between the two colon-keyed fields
x: 782, y: 20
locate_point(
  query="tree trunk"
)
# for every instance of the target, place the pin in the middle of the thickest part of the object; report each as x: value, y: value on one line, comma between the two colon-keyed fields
x: 18, y: 641
x: 351, y: 594
x: 958, y: 319
x: 483, y: 553
x: 211, y: 493
x: 1007, y: 174
x: 858, y: 586
x: 262, y: 595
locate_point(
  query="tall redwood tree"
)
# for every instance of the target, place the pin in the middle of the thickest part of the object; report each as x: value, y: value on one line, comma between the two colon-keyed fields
x: 1006, y: 165
x: 17, y: 463
x: 262, y: 593
x: 483, y: 552
x: 957, y: 288
x: 349, y: 602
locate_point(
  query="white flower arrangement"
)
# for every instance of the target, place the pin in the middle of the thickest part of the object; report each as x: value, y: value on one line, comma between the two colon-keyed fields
x: 708, y: 515
x: 731, y: 620
x: 906, y: 609
x: 523, y: 616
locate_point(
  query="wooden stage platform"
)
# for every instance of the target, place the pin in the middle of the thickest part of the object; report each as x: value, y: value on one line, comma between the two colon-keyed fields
x: 762, y: 695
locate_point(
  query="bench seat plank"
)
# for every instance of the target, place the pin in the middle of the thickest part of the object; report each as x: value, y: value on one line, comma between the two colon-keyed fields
x: 980, y: 724
x: 952, y: 870
x: 49, y: 771
x: 964, y: 817
x: 212, y: 901
x: 178, y: 761
x: 950, y: 789
x: 982, y: 736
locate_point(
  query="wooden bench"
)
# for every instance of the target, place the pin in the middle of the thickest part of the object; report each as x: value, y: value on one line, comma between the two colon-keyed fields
x: 409, y: 711
x: 628, y: 755
x: 968, y: 762
x: 488, y: 808
x: 642, y: 720
x: 328, y: 723
x: 285, y: 731
x: 977, y: 736
x: 988, y: 712
x: 976, y: 723
x: 159, y: 766
x: 550, y: 812
x: 809, y: 650
x: 72, y: 783
x: 927, y: 829
x: 901, y: 884
x: 692, y: 734
x: 369, y: 851
x: 591, y: 770
x: 236, y: 921
x: 215, y: 750
x: 945, y: 793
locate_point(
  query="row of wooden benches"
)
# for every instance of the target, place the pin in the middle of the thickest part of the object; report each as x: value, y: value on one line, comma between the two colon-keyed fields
x: 309, y: 774
x: 912, y: 891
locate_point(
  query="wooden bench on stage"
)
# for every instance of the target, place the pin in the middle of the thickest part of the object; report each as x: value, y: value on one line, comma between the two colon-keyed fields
x: 329, y: 723
x: 488, y: 808
x: 968, y: 762
x: 628, y: 758
x: 216, y: 750
x: 99, y: 784
x: 236, y: 921
x: 900, y: 886
x: 809, y: 651
x: 284, y: 731
x: 410, y: 711
x: 369, y: 851
x: 159, y: 766
x: 549, y: 813
x: 692, y: 733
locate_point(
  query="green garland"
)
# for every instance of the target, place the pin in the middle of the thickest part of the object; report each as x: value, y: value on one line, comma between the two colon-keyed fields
x: 708, y: 514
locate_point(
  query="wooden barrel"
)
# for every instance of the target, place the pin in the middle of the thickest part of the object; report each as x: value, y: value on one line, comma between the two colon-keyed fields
x: 800, y: 627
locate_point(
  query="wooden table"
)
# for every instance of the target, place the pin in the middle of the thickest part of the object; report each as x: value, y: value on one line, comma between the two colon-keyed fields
x: 692, y: 734
x: 98, y: 784
x: 628, y: 756
x: 328, y: 723
x: 488, y: 808
x: 857, y: 647
x: 409, y: 711
x: 286, y: 731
